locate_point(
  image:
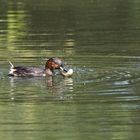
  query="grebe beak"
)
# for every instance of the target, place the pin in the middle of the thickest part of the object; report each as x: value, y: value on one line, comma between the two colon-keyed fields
x: 62, y: 68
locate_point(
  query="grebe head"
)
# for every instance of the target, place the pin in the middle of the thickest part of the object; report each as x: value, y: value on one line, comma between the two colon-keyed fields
x: 55, y: 63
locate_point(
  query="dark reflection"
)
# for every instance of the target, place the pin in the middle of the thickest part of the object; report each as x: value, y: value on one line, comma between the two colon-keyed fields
x: 40, y: 89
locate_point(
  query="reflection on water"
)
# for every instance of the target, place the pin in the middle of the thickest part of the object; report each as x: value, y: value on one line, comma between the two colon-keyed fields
x: 34, y: 89
x: 100, y: 41
x: 16, y: 24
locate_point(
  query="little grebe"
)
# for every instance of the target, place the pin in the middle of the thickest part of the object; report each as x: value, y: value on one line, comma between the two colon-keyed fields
x: 51, y: 65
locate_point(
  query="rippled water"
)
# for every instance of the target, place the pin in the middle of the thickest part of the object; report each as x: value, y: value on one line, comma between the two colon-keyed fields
x: 100, y: 41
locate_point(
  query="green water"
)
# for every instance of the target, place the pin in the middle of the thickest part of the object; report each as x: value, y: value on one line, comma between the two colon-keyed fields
x: 100, y: 40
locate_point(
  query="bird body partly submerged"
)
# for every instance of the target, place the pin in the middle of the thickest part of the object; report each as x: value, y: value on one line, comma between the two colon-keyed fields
x: 26, y: 71
x: 51, y: 65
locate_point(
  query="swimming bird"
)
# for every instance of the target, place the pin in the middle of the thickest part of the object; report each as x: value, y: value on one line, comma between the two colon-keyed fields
x: 51, y: 64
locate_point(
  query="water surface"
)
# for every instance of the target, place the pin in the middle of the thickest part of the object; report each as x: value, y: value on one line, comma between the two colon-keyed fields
x: 100, y: 41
